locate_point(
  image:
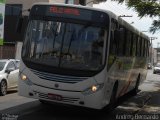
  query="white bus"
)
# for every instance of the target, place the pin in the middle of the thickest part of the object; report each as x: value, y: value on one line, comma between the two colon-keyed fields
x: 81, y: 56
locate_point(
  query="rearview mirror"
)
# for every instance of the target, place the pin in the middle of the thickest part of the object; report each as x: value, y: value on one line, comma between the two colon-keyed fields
x: 9, y: 70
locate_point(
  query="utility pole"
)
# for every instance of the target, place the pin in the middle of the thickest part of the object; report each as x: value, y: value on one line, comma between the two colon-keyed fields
x: 151, y: 49
x: 152, y: 38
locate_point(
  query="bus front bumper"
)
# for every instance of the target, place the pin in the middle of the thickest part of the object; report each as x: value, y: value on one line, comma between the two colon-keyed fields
x: 77, y: 98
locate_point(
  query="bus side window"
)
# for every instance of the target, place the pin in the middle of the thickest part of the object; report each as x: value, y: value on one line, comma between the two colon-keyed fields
x: 148, y: 44
x: 142, y: 47
x: 138, y: 47
x: 145, y: 47
x: 120, y: 40
x: 128, y: 43
x: 134, y: 48
x: 113, y: 42
x: 113, y: 49
x: 113, y: 46
x: 131, y: 50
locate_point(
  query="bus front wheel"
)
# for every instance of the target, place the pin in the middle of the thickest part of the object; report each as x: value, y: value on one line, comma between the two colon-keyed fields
x: 43, y: 101
x: 135, y: 91
x: 113, y: 98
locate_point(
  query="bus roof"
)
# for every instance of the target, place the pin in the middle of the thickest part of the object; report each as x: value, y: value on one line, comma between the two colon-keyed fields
x: 110, y: 14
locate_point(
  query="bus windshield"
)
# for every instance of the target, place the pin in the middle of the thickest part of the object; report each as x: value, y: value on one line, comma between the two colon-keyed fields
x: 64, y: 45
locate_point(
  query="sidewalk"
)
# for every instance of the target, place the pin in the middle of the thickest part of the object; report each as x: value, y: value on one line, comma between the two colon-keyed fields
x: 147, y: 101
x: 12, y: 100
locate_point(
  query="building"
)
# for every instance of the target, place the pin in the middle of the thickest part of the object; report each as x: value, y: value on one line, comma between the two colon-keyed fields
x: 158, y: 55
x: 13, y: 10
x: 154, y: 56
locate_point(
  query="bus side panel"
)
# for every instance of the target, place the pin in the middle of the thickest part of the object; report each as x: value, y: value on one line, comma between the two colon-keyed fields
x: 126, y: 70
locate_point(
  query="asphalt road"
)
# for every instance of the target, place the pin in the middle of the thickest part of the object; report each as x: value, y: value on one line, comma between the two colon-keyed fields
x: 146, y: 102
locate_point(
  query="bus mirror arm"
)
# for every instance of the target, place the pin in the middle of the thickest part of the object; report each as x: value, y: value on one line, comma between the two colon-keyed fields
x: 19, y: 24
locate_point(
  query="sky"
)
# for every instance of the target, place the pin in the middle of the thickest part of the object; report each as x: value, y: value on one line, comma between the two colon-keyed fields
x: 142, y: 24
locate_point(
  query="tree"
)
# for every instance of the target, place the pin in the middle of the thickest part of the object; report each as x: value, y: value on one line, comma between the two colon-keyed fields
x: 144, y: 8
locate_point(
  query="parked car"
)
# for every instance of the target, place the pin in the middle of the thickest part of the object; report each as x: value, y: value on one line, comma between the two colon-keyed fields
x: 9, y: 70
x: 149, y: 66
x: 156, y: 69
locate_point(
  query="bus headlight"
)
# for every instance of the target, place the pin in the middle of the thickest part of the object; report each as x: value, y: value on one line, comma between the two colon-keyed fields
x: 93, y: 89
x: 23, y: 77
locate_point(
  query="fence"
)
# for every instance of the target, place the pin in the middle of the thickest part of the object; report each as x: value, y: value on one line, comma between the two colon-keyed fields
x: 7, y: 52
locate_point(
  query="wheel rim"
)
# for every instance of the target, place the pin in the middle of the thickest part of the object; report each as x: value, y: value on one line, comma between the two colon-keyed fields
x: 3, y: 88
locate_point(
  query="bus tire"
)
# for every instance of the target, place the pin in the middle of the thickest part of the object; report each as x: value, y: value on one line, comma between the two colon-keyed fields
x: 3, y: 88
x: 42, y: 101
x: 113, y: 99
x: 136, y: 90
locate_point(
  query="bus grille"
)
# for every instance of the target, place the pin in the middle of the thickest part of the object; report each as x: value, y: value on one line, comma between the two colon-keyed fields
x: 58, y: 78
x: 64, y: 99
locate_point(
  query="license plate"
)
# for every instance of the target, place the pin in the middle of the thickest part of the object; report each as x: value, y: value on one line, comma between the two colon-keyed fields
x: 54, y: 97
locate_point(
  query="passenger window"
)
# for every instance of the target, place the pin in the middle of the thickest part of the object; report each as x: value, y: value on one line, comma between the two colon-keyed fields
x: 17, y: 63
x: 131, y: 41
x: 145, y: 48
x: 11, y: 66
x: 113, y: 41
x: 142, y: 48
x: 120, y: 39
x: 148, y: 43
x: 134, y: 48
x: 128, y: 43
x: 113, y: 50
x: 113, y: 44
x: 138, y: 47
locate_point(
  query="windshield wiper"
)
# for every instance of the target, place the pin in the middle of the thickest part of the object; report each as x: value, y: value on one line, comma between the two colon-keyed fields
x: 83, y: 28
